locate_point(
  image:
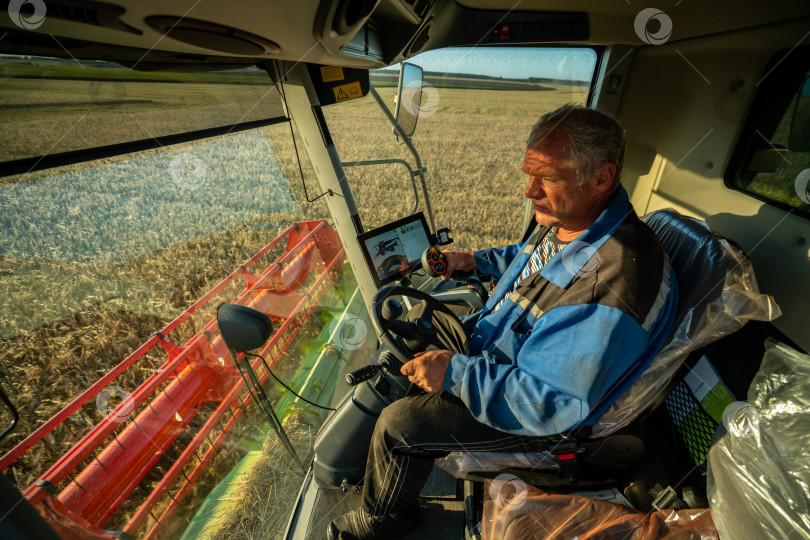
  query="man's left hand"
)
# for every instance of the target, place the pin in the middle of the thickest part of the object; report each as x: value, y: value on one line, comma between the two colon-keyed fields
x: 427, y: 369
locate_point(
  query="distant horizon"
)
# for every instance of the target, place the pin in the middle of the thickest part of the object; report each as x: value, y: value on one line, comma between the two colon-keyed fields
x: 510, y: 63
x: 393, y: 72
x: 515, y: 63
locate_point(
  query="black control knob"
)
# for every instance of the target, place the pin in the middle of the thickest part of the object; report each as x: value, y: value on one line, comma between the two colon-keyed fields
x: 475, y: 282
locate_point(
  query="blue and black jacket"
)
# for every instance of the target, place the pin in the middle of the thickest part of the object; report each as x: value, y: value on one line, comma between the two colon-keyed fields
x: 571, y: 338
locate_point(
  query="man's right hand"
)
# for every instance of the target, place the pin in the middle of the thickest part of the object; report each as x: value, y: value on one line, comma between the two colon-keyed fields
x: 458, y: 260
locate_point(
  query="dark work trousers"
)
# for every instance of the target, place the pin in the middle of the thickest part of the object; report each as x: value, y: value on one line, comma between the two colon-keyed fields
x: 414, y: 431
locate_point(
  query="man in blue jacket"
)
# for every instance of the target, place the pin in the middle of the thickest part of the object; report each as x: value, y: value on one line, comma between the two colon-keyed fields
x: 580, y: 310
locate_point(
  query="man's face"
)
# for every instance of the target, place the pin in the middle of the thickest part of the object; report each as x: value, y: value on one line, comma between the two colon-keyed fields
x: 559, y: 200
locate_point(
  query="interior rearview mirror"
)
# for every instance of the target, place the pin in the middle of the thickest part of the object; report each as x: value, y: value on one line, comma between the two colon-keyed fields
x: 799, y: 140
x: 243, y: 328
x: 409, y: 97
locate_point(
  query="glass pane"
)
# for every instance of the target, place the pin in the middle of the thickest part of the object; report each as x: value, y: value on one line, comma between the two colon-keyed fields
x: 778, y: 168
x: 477, y: 110
x: 98, y: 257
x: 54, y: 105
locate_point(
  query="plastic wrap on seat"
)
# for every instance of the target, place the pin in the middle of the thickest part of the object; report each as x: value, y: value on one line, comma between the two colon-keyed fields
x: 515, y: 511
x: 759, y: 466
x: 717, y: 295
x: 459, y: 464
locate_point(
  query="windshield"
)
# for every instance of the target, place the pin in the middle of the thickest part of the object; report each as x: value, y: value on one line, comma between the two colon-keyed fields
x: 123, y: 232
x: 111, y: 271
x: 53, y: 106
x: 478, y: 106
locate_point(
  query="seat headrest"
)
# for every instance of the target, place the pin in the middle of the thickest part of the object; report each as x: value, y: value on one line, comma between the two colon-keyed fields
x: 700, y: 258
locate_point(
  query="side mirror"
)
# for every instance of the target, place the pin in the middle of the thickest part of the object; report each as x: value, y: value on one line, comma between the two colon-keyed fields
x: 799, y: 140
x: 409, y: 97
x: 243, y: 328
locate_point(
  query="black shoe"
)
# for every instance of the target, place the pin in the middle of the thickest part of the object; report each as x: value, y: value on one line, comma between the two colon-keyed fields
x: 358, y: 525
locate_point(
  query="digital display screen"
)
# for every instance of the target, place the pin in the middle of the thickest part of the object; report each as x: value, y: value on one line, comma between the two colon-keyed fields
x: 395, y: 250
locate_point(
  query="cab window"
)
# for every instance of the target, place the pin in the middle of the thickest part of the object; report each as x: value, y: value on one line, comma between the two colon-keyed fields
x: 772, y: 160
x: 477, y: 109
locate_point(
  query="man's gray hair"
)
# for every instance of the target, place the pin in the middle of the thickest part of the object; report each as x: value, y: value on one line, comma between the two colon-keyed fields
x: 594, y: 138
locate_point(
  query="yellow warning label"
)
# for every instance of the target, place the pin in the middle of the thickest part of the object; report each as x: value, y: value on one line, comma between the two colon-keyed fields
x: 348, y: 91
x: 332, y: 73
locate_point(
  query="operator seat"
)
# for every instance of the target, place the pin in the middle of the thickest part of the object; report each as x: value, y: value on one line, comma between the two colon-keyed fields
x: 717, y: 295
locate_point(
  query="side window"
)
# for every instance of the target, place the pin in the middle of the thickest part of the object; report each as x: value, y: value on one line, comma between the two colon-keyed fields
x: 772, y: 159
x: 477, y: 109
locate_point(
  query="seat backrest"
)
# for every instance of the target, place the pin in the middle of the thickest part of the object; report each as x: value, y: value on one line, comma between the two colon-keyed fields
x: 717, y: 295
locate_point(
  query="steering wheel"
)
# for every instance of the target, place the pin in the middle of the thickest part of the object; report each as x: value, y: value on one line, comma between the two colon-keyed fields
x: 401, y: 337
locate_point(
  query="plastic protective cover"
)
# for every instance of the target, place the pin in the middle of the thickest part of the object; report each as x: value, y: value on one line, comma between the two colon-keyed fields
x: 460, y: 463
x: 717, y: 293
x: 759, y: 466
x: 515, y: 511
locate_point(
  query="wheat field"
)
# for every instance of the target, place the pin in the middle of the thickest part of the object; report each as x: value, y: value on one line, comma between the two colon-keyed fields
x: 472, y: 147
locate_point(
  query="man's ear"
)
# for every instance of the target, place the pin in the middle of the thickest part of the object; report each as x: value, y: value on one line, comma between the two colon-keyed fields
x: 604, y: 177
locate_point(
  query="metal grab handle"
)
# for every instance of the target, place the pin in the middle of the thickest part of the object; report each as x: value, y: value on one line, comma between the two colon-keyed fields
x: 411, y: 172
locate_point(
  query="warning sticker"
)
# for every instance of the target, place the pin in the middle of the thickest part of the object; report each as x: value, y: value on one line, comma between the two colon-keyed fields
x: 331, y: 73
x: 348, y: 91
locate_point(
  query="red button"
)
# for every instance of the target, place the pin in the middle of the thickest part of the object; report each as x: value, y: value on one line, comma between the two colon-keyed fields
x: 566, y: 457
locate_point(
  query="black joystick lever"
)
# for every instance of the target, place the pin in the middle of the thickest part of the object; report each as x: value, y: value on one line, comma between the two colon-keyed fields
x: 362, y: 374
x: 388, y: 362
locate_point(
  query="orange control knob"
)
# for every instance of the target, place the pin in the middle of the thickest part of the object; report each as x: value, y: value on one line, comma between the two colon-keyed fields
x: 434, y: 261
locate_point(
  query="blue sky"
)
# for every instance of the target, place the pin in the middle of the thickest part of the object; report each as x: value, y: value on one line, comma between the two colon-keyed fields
x: 511, y: 62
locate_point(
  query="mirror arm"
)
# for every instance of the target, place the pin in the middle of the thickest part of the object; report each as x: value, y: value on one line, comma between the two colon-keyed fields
x: 256, y: 391
x: 420, y: 170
